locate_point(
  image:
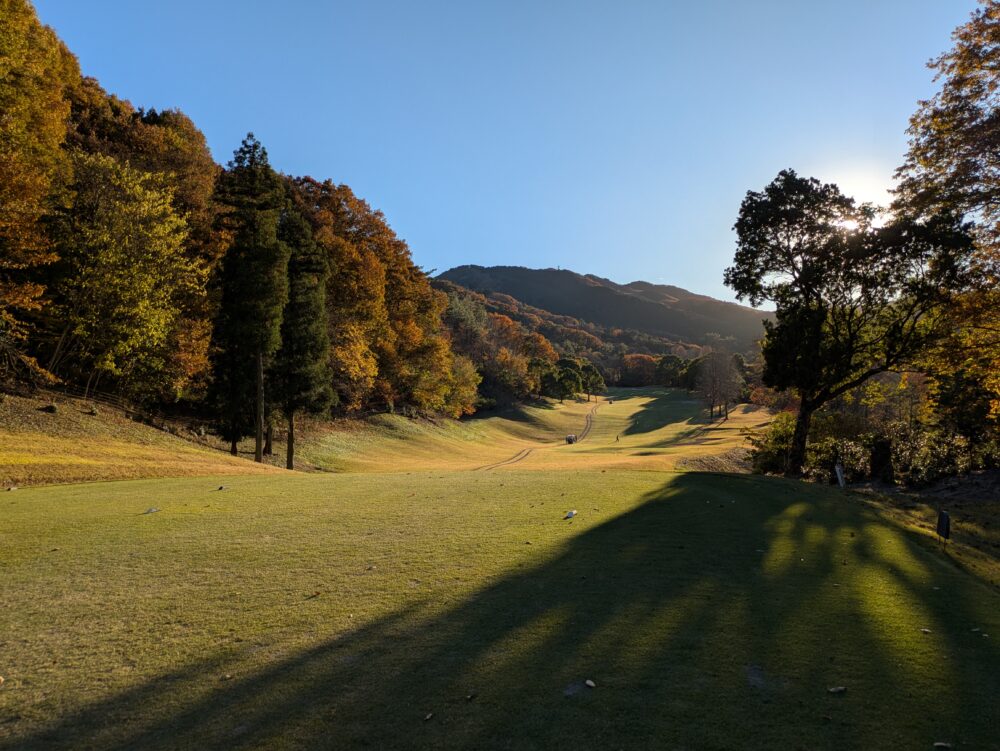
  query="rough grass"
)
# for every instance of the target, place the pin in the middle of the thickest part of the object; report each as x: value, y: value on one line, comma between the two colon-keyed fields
x: 73, y: 445
x: 458, y: 609
x: 975, y: 528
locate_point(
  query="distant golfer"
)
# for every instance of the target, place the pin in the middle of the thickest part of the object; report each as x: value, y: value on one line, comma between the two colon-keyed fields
x: 618, y: 437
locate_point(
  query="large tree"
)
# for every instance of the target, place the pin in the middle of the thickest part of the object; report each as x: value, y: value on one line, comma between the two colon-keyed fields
x: 254, y: 287
x: 852, y: 299
x: 35, y: 71
x: 301, y: 370
x: 121, y: 271
x: 953, y: 164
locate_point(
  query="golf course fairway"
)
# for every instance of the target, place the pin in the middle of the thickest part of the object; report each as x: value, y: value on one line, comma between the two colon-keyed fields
x: 449, y: 604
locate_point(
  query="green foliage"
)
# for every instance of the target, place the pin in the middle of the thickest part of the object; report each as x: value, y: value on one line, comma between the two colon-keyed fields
x: 670, y: 370
x: 592, y: 381
x: 301, y: 376
x: 852, y: 299
x: 770, y: 447
x: 254, y: 287
x: 122, y: 269
x: 822, y: 456
x: 921, y: 455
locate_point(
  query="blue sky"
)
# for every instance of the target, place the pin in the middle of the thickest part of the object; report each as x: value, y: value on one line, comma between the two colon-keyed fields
x: 614, y: 138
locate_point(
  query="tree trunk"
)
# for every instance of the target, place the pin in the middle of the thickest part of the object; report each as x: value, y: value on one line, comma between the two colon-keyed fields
x: 269, y: 440
x: 258, y: 451
x: 57, y: 353
x: 290, y: 445
x: 725, y: 407
x: 233, y: 447
x: 797, y: 454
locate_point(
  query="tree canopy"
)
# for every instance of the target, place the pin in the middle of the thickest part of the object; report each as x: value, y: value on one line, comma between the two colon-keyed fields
x: 852, y: 299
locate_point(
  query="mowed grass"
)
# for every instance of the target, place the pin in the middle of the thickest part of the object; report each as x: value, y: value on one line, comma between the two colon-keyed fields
x: 650, y: 428
x: 460, y: 610
x: 642, y: 429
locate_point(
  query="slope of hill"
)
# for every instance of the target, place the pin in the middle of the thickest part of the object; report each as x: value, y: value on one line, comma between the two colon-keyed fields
x: 56, y: 439
x: 658, y: 310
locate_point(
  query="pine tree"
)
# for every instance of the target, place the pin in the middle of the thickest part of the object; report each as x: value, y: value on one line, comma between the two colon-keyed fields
x: 301, y: 371
x: 254, y: 287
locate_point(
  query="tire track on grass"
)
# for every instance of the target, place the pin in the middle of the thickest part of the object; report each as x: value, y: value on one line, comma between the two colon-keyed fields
x: 525, y: 453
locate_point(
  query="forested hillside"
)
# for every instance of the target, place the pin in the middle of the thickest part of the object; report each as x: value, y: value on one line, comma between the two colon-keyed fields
x: 659, y: 311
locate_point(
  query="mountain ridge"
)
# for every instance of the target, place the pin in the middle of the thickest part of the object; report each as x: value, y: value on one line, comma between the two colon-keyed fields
x: 657, y: 309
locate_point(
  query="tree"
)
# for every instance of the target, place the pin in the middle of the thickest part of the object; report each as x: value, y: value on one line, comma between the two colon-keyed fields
x: 301, y: 367
x: 254, y: 286
x: 953, y: 164
x: 718, y: 381
x: 121, y: 272
x: 592, y: 380
x: 638, y: 370
x: 670, y: 370
x: 35, y: 70
x: 852, y: 299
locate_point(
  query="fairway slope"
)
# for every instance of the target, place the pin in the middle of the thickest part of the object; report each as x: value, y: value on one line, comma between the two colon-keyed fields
x: 460, y: 610
x: 642, y: 428
x: 78, y: 442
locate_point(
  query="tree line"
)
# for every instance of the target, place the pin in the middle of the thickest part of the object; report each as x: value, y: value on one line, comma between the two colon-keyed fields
x: 131, y: 262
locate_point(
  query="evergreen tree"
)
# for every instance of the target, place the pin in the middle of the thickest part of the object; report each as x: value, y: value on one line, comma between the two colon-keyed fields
x: 302, y: 377
x: 254, y: 289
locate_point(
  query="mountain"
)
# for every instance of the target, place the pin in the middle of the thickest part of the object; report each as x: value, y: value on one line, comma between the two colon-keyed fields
x: 655, y: 309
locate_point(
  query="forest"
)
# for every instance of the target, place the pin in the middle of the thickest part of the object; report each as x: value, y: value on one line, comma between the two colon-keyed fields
x: 132, y: 263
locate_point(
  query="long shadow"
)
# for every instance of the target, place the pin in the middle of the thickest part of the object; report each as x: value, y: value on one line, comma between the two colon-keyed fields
x: 716, y: 614
x: 667, y: 406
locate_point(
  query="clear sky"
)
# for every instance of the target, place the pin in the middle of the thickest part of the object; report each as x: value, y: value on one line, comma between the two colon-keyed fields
x: 614, y: 138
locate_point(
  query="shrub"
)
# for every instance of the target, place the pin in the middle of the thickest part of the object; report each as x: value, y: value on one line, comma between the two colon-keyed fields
x: 922, y: 455
x: 823, y: 455
x: 770, y: 447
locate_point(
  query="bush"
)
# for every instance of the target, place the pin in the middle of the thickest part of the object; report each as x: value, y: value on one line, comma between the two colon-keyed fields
x: 922, y: 455
x: 770, y: 447
x: 823, y: 455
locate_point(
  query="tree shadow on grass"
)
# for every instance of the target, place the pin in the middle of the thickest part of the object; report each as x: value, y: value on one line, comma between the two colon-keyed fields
x: 716, y: 614
x: 666, y: 407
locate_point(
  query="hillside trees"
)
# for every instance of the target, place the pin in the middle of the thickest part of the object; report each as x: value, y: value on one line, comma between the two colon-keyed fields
x: 953, y: 164
x: 121, y: 271
x: 638, y: 370
x: 850, y: 303
x: 35, y: 71
x: 254, y: 290
x: 301, y: 370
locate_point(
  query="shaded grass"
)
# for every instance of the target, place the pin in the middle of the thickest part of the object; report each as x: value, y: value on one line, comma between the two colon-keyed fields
x: 711, y: 611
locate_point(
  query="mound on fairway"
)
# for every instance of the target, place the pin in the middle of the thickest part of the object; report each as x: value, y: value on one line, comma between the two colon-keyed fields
x: 459, y: 610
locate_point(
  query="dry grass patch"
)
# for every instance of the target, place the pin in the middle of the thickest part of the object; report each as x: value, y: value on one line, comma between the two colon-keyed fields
x: 79, y: 442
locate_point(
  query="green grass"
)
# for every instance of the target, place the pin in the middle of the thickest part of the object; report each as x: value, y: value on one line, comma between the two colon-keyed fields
x: 363, y: 610
x: 119, y: 629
